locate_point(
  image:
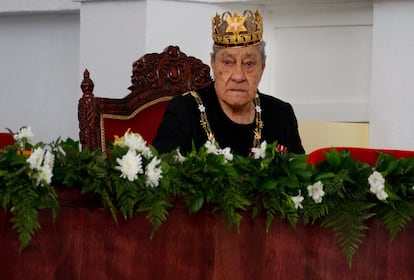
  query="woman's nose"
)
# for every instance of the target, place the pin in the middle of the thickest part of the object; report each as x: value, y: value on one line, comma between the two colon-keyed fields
x: 238, y: 74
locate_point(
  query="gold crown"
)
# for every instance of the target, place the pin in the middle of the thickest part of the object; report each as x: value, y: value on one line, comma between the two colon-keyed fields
x: 237, y: 31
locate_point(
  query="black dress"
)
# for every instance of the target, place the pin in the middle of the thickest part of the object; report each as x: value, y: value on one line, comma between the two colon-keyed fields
x: 181, y: 127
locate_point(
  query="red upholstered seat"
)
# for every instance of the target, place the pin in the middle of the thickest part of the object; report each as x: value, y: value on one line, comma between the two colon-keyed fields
x: 6, y: 138
x: 366, y: 155
x: 143, y: 121
x: 156, y: 79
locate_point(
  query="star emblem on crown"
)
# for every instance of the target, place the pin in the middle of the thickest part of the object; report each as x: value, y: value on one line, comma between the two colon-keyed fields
x: 235, y: 24
x: 232, y: 30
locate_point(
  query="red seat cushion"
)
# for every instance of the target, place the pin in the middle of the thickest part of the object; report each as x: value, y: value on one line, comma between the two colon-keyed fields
x: 6, y: 138
x: 142, y: 121
x: 366, y: 155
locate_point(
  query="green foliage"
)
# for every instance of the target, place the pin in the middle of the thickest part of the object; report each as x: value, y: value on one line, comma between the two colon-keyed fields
x: 347, y: 220
x: 398, y: 209
x: 273, y: 180
x: 208, y: 178
x: 396, y: 215
x: 75, y: 167
x: 336, y: 193
x: 21, y: 195
x: 346, y: 204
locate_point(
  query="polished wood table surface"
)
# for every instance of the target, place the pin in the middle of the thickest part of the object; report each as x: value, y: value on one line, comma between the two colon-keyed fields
x: 86, y: 243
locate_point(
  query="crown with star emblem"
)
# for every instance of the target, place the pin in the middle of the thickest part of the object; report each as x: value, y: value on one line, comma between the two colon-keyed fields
x: 232, y: 30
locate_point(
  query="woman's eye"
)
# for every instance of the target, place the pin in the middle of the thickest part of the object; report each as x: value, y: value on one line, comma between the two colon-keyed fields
x: 227, y: 62
x: 249, y: 63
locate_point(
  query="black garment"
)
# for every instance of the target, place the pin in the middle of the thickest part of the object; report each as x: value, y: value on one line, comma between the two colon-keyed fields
x: 181, y: 125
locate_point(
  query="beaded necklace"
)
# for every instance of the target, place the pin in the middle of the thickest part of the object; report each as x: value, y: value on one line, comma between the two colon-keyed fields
x: 206, y: 125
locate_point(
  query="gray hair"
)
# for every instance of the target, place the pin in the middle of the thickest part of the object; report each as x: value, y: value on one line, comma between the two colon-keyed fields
x: 262, y: 46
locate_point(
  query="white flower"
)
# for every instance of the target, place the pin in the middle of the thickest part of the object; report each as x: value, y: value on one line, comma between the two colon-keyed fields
x: 153, y: 172
x: 211, y: 148
x: 130, y: 165
x: 375, y: 179
x: 258, y: 109
x: 35, y: 159
x: 201, y: 108
x: 297, y: 200
x: 41, y: 161
x: 228, y: 156
x: 45, y: 174
x: 25, y: 134
x: 260, y: 152
x: 376, y: 188
x: 146, y: 152
x: 377, y: 185
x: 179, y: 157
x: 316, y: 191
x: 49, y: 160
x: 381, y: 195
x: 134, y: 141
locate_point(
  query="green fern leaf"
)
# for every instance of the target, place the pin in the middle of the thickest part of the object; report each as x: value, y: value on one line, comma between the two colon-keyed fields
x: 397, y: 216
x: 347, y: 220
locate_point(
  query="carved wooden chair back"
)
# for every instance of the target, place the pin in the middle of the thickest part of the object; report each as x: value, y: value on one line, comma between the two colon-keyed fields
x: 156, y: 79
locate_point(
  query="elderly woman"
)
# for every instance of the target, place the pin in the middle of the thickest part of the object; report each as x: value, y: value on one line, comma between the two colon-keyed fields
x: 231, y: 112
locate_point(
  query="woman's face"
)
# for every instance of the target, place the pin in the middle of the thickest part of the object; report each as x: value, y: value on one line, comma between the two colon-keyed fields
x: 237, y: 73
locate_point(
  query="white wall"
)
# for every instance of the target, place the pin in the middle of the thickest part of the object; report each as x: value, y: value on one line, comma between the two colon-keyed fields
x: 392, y: 96
x: 356, y: 52
x: 186, y: 24
x: 37, y: 6
x: 112, y: 37
x: 39, y: 58
x: 320, y: 58
x: 168, y: 26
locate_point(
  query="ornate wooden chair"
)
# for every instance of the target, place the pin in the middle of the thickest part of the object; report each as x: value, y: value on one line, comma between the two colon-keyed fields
x: 156, y: 79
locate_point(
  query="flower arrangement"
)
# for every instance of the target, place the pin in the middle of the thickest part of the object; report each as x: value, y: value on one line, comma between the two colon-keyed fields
x: 26, y: 172
x: 339, y: 193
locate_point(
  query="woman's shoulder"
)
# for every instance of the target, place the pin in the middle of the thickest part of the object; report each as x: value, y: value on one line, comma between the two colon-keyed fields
x: 183, y: 100
x: 188, y: 97
x: 274, y: 103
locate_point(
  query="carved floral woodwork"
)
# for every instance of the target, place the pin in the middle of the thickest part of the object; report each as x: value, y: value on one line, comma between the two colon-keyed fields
x: 154, y: 75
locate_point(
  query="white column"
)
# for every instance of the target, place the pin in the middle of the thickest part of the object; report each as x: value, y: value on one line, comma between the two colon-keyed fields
x: 392, y: 87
